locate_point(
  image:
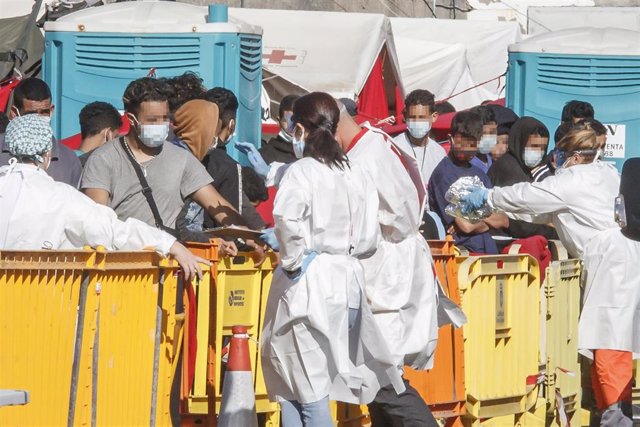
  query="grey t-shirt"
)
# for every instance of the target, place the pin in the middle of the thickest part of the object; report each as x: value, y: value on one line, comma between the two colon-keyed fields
x: 173, y: 175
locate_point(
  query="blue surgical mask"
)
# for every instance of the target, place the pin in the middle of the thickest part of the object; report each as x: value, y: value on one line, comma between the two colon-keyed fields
x: 561, y: 159
x: 298, y: 146
x: 486, y: 144
x: 418, y: 128
x: 532, y: 157
x: 154, y: 135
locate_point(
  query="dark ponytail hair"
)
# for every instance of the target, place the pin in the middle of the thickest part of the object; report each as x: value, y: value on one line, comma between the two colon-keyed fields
x: 318, y: 112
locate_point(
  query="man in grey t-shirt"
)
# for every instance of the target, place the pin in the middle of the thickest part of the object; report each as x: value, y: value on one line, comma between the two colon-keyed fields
x: 173, y: 174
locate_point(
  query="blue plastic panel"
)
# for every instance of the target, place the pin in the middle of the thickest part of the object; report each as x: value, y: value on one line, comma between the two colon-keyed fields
x: 85, y: 67
x: 540, y: 84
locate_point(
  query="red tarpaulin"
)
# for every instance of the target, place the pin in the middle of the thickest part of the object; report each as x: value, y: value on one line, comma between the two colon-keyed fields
x: 372, y: 102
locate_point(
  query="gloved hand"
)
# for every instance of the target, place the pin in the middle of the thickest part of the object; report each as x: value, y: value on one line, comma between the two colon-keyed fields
x: 269, y: 237
x: 297, y: 274
x: 255, y: 158
x: 475, y: 199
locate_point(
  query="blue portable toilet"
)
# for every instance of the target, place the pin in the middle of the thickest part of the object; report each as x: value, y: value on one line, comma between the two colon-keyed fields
x: 597, y: 65
x: 93, y: 54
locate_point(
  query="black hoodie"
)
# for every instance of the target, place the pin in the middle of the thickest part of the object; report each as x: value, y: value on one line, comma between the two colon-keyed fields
x: 510, y: 169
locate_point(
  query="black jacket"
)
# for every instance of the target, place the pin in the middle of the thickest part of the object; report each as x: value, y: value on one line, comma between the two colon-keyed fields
x: 278, y: 150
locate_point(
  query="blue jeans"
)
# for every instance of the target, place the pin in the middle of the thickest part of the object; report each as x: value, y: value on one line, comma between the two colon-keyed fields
x: 315, y: 414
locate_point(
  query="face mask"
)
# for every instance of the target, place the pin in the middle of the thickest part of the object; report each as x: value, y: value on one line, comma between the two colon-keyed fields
x: 154, y: 135
x: 486, y: 144
x: 532, y: 157
x: 418, y: 129
x: 298, y: 147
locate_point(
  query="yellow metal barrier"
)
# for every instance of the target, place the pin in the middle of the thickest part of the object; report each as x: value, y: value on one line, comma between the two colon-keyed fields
x: 500, y: 296
x: 237, y: 293
x: 39, y: 298
x: 562, y: 291
x: 93, y: 337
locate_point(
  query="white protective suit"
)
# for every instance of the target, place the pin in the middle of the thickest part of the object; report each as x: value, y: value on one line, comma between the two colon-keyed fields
x: 38, y: 213
x: 308, y: 351
x: 401, y: 286
x: 579, y: 200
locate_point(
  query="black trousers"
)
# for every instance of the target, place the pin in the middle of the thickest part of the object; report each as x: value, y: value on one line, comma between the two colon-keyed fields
x: 406, y: 409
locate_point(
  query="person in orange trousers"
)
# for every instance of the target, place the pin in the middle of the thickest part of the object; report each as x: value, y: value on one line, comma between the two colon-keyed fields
x: 611, y: 377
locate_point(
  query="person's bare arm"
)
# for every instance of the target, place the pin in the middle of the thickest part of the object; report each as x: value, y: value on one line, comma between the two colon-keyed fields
x: 497, y: 221
x: 98, y: 195
x: 224, y: 213
x: 470, y: 228
x: 217, y: 206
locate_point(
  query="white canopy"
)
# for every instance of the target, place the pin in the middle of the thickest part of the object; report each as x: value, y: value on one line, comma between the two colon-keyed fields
x: 450, y: 56
x: 332, y: 52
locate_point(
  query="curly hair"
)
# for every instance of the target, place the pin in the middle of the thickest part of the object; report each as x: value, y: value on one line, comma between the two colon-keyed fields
x: 420, y: 97
x: 184, y: 88
x: 145, y: 89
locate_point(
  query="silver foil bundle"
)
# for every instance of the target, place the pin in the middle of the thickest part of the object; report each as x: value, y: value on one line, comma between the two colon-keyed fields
x: 460, y: 188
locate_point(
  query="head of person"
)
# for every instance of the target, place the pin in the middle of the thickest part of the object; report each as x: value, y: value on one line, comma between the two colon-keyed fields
x: 350, y: 105
x: 579, y: 146
x: 184, y: 88
x: 196, y: 124
x: 228, y: 108
x: 466, y: 131
x: 28, y: 138
x: 99, y: 122
x: 574, y: 111
x: 315, y: 117
x: 505, y: 118
x: 419, y: 114
x: 444, y: 107
x: 146, y: 107
x: 254, y: 187
x: 528, y: 142
x: 285, y: 111
x: 489, y: 129
x: 31, y: 96
x: 599, y: 129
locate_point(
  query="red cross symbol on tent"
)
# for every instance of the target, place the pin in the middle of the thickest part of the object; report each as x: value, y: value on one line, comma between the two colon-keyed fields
x: 277, y: 56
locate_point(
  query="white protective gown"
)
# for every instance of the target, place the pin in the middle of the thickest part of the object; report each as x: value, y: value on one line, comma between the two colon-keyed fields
x: 308, y: 351
x: 401, y: 288
x: 38, y: 213
x: 579, y: 200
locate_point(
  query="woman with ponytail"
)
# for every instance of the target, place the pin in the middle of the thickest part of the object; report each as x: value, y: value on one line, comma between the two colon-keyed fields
x: 319, y: 340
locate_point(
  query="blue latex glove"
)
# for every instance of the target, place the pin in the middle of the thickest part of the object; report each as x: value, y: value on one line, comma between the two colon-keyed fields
x: 269, y: 237
x: 255, y: 158
x: 475, y: 199
x: 297, y: 274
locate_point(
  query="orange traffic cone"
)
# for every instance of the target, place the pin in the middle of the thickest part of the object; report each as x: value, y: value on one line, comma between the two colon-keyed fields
x: 238, y: 397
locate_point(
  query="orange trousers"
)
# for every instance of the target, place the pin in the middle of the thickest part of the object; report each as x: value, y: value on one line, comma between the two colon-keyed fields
x: 611, y: 377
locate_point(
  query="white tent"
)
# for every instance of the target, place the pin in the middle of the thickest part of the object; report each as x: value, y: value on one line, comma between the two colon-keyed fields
x: 332, y: 52
x: 451, y: 56
x: 544, y: 19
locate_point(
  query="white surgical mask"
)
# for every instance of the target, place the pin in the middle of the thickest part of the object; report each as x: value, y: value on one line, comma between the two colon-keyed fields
x: 532, y: 157
x: 298, y: 146
x: 418, y: 128
x: 486, y: 144
x: 154, y: 135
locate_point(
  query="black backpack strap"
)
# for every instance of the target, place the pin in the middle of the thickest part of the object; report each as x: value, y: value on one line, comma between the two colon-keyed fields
x: 146, y: 190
